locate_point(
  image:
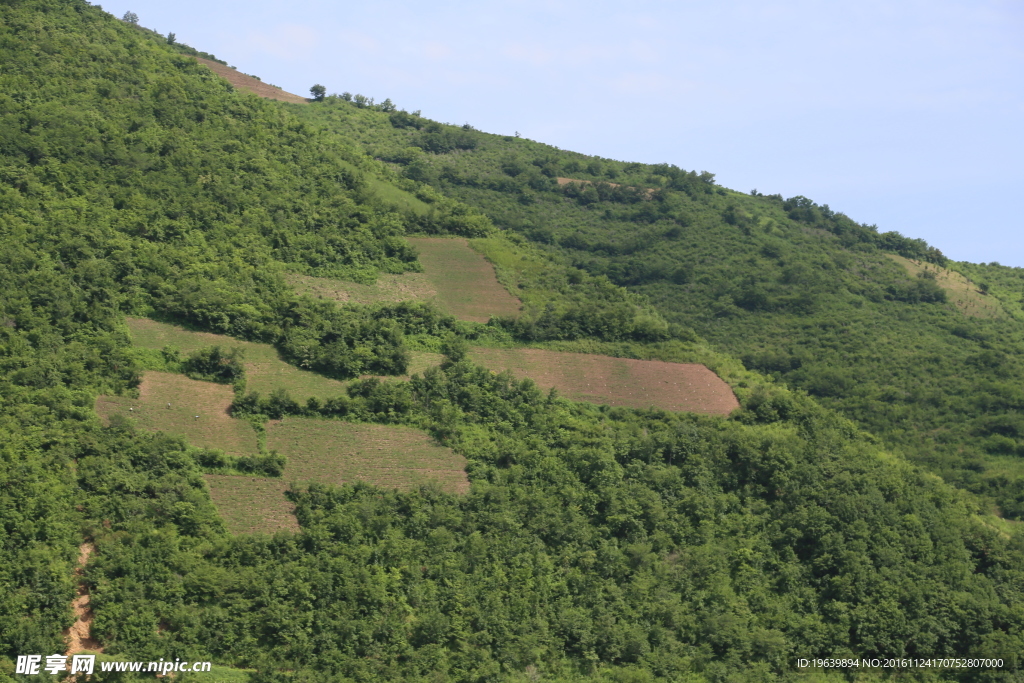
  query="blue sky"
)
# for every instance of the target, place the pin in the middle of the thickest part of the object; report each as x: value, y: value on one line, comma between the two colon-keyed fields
x: 903, y: 114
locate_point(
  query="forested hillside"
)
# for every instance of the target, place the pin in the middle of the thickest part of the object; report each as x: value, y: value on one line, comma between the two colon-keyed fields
x: 595, y: 543
x: 920, y: 356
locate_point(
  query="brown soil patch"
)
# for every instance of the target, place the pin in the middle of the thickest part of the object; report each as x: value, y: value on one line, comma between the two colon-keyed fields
x: 465, y: 281
x: 78, y: 636
x: 250, y: 505
x: 688, y: 387
x: 178, y: 405
x: 250, y: 84
x: 335, y: 452
x: 960, y: 291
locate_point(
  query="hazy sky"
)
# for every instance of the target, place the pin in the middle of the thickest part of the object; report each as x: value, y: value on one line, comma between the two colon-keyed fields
x: 903, y: 114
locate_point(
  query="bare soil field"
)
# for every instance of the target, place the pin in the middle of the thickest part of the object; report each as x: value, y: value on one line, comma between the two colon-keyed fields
x: 264, y: 369
x: 960, y: 291
x: 465, y: 281
x: 335, y: 452
x: 250, y: 84
x: 688, y: 387
x: 171, y: 403
x: 250, y: 505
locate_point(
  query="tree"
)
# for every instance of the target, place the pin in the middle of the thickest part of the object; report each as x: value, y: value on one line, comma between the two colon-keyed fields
x: 131, y: 18
x: 318, y: 92
x: 170, y: 38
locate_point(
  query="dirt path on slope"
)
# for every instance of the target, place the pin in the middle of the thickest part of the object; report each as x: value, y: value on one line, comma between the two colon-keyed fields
x: 78, y: 637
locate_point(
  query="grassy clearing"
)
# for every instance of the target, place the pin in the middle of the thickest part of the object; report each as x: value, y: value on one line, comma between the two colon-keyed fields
x: 688, y: 387
x: 252, y: 505
x: 418, y: 362
x: 170, y: 403
x: 465, y: 281
x: 961, y: 292
x: 335, y: 452
x: 264, y: 369
x: 388, y: 288
x: 456, y: 279
x: 397, y: 197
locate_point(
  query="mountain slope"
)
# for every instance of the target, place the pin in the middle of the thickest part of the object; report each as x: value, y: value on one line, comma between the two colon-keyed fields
x: 595, y: 543
x: 796, y: 290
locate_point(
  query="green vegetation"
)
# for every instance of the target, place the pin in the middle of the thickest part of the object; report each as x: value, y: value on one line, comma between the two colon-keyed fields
x: 595, y: 542
x: 264, y: 371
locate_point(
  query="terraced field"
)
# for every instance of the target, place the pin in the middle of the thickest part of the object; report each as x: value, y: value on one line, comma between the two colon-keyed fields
x: 622, y: 382
x: 334, y: 452
x: 185, y: 407
x: 317, y: 450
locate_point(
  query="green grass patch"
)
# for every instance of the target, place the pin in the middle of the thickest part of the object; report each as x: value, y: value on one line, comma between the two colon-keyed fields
x: 387, y: 289
x: 264, y: 369
x: 397, y: 197
x: 466, y: 284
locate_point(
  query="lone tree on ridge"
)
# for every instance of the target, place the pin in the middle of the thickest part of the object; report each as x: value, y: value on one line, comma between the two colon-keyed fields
x: 318, y: 91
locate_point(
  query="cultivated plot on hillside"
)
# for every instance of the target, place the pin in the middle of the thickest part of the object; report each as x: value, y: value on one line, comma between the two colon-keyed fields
x: 185, y: 407
x: 455, y: 278
x: 251, y: 505
x: 688, y: 387
x: 264, y: 369
x: 388, y: 289
x: 335, y: 452
x: 960, y: 291
x: 466, y: 284
x: 249, y: 83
